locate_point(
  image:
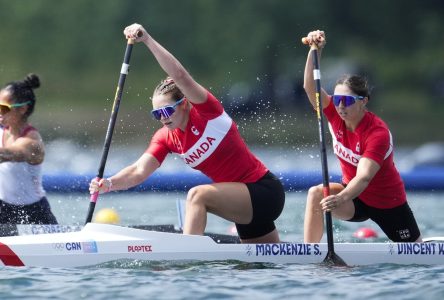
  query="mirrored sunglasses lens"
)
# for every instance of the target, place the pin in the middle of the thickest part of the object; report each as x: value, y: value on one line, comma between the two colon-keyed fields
x: 4, y: 109
x: 168, y: 111
x: 346, y: 100
x: 337, y: 100
x: 349, y: 100
x: 156, y: 114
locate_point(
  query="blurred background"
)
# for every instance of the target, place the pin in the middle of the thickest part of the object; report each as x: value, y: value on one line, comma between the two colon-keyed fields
x: 248, y: 53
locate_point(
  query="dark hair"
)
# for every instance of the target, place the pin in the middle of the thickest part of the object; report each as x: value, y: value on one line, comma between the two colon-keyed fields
x: 356, y: 83
x: 168, y: 86
x: 21, y: 91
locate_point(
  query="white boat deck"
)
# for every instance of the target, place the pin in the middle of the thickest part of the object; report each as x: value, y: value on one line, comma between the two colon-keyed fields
x: 100, y: 243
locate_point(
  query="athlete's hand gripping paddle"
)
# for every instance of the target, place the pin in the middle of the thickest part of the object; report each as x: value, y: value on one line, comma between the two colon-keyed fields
x: 331, y: 258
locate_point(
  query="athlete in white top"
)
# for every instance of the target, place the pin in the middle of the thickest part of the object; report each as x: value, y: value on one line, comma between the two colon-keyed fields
x: 22, y: 197
x: 196, y: 127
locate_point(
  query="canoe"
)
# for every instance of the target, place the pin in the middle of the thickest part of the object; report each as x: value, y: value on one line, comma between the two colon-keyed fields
x: 97, y: 244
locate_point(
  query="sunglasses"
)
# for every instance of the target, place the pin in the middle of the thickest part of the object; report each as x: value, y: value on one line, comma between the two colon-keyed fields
x: 5, y: 108
x: 166, y: 111
x: 347, y: 100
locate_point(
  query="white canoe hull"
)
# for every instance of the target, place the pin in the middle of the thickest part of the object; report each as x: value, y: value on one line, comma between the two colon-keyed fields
x: 101, y: 243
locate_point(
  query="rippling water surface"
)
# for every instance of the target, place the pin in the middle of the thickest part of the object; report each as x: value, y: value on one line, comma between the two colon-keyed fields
x: 223, y: 280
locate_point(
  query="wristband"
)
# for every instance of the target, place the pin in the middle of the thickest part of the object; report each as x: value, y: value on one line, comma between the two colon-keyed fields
x: 110, y: 185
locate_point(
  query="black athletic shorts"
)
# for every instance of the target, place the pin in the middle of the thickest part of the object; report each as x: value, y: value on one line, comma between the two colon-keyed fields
x: 35, y: 213
x: 268, y: 199
x: 398, y: 223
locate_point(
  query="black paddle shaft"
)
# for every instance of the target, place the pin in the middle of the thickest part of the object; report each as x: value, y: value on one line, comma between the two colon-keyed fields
x: 111, y: 124
x: 331, y: 257
x: 115, y: 110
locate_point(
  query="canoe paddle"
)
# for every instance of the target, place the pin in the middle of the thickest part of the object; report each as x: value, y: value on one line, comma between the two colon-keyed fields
x: 331, y: 258
x: 111, y: 124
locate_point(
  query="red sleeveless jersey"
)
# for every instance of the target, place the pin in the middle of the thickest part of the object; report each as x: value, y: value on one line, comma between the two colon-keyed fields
x: 211, y: 144
x: 371, y: 139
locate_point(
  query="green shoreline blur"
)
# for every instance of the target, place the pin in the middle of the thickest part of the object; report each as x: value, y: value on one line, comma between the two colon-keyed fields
x: 248, y: 53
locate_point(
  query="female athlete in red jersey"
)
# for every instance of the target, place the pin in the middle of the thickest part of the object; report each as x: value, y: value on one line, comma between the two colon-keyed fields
x: 196, y: 127
x: 371, y: 186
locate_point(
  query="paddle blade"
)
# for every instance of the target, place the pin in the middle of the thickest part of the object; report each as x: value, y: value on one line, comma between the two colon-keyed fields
x: 332, y: 259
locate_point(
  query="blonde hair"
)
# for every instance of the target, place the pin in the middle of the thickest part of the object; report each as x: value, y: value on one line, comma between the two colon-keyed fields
x: 168, y: 86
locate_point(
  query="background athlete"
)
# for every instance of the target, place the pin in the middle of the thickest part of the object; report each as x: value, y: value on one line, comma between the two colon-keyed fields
x: 196, y: 127
x: 22, y: 198
x: 371, y: 186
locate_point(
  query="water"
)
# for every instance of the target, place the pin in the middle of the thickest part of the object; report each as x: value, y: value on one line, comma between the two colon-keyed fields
x: 226, y: 280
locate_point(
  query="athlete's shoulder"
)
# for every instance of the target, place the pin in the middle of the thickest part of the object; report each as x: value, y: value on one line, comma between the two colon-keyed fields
x: 377, y: 131
x: 29, y: 129
x: 30, y: 132
x: 160, y: 134
x: 375, y: 121
x: 212, y: 99
x: 210, y: 108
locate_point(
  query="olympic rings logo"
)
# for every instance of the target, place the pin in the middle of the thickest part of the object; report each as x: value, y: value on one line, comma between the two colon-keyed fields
x: 59, y: 246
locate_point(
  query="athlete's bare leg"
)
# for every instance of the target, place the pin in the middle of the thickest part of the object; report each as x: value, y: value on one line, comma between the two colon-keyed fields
x: 229, y: 200
x: 314, y: 215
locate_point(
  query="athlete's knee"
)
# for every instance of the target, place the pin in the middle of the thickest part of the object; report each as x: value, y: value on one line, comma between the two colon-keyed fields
x: 315, y: 194
x: 197, y: 196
